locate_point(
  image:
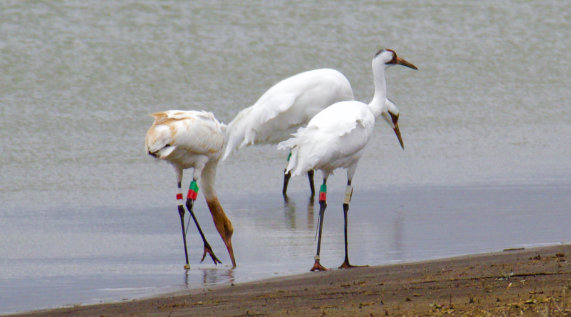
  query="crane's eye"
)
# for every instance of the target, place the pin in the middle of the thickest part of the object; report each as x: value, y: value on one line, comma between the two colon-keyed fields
x: 394, y: 59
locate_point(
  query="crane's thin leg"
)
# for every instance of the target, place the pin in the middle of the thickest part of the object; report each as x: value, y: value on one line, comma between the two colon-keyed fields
x: 181, y: 214
x: 322, y: 205
x: 287, y: 176
x: 311, y: 185
x: 190, y: 198
x: 348, y: 194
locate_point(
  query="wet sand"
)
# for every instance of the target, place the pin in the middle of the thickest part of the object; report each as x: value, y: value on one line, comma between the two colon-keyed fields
x: 529, y: 282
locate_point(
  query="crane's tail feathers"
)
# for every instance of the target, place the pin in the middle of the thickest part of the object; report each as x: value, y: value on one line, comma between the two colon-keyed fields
x: 227, y: 152
x: 232, y: 141
x: 292, y: 163
x: 232, y: 144
x: 238, y: 133
x: 293, y: 166
x: 297, y: 165
x: 287, y: 144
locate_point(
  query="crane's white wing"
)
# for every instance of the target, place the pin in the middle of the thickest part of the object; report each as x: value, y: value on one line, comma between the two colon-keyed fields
x: 197, y: 132
x: 287, y: 105
x: 333, y: 138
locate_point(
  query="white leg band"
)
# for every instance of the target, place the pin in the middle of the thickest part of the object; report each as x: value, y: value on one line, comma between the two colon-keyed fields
x: 348, y: 194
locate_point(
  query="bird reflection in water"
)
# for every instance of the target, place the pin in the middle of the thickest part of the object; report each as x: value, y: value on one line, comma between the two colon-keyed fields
x: 211, y: 276
x: 290, y: 213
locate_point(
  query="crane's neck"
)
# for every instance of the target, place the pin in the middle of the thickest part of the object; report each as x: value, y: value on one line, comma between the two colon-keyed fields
x: 221, y: 222
x: 208, y: 180
x: 378, y: 103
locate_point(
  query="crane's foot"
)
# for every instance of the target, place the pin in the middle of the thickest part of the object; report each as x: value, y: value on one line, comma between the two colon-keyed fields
x: 208, y: 250
x: 347, y: 265
x: 318, y: 267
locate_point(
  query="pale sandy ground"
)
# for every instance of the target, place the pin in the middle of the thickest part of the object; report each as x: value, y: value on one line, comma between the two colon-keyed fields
x: 533, y: 282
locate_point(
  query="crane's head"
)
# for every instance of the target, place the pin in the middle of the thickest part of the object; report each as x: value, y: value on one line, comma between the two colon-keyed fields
x: 391, y: 115
x: 389, y: 57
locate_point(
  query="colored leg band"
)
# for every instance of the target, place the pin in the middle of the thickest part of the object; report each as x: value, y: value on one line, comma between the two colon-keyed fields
x: 348, y: 194
x: 179, y: 198
x: 323, y: 193
x: 192, y: 191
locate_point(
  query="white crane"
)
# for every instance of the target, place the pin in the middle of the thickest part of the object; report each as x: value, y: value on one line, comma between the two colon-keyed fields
x: 284, y: 107
x: 336, y: 137
x: 193, y: 139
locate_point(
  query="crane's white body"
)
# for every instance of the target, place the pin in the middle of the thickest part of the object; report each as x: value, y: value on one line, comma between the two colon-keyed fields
x: 187, y: 139
x: 193, y: 139
x: 336, y: 136
x: 285, y: 107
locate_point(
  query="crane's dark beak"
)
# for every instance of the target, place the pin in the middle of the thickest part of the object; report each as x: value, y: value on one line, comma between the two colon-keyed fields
x: 395, y: 119
x: 405, y: 63
x: 397, y: 132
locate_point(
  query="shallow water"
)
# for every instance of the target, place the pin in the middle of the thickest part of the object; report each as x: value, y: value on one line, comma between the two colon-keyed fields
x: 86, y: 216
x: 118, y: 254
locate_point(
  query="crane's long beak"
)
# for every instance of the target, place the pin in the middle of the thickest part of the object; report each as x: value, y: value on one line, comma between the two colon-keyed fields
x: 395, y: 119
x: 397, y: 132
x: 403, y: 62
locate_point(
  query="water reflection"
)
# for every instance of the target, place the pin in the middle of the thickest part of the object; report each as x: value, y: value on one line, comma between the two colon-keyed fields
x: 290, y: 211
x: 275, y: 240
x: 213, y: 276
x: 310, y: 216
x: 206, y: 276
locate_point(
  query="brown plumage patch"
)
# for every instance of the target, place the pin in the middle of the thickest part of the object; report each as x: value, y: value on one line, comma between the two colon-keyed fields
x: 172, y: 129
x: 394, y: 60
x: 221, y: 221
x: 163, y: 118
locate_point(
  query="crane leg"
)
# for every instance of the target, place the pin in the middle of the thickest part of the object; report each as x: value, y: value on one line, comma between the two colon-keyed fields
x: 287, y: 176
x: 348, y: 194
x: 181, y: 214
x: 311, y: 185
x: 346, y: 263
x: 191, y: 197
x: 322, y: 205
